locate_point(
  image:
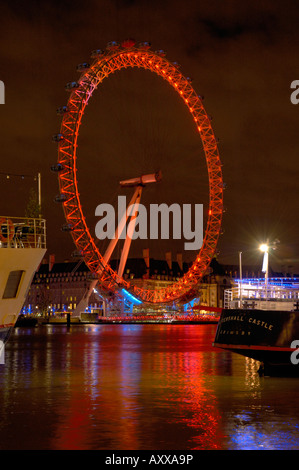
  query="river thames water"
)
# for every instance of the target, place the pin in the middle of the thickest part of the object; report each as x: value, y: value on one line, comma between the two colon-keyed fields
x: 139, y: 387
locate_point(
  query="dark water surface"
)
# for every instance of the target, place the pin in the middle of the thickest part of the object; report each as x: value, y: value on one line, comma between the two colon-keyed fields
x: 139, y: 387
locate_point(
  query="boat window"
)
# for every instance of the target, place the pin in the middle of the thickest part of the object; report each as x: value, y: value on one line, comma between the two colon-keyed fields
x: 12, y: 284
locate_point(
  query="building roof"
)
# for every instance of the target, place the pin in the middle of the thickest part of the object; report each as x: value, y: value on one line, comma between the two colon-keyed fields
x: 134, y: 266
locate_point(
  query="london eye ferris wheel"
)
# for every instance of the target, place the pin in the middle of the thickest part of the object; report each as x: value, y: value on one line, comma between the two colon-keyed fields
x: 103, y: 63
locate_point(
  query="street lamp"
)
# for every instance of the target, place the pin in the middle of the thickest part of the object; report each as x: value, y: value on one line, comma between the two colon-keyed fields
x: 264, y: 247
x: 240, y: 267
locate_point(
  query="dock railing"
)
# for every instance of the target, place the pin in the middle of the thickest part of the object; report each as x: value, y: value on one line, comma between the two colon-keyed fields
x: 22, y: 232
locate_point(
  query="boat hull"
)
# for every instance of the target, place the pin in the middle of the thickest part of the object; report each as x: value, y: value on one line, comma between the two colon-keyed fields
x: 268, y: 336
x: 5, y: 333
x: 18, y: 266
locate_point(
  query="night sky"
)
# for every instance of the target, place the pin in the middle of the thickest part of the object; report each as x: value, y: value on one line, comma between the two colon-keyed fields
x: 242, y: 57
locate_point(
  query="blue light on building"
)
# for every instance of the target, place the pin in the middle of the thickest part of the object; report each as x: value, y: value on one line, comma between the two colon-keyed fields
x: 131, y: 297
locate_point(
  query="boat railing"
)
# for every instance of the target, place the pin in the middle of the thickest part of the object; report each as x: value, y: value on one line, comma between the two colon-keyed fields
x: 22, y: 232
x: 261, y: 293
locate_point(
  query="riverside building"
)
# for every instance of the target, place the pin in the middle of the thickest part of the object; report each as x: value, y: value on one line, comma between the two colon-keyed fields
x: 57, y: 288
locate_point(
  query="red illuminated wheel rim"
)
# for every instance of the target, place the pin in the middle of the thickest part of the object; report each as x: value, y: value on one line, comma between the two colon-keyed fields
x: 115, y: 58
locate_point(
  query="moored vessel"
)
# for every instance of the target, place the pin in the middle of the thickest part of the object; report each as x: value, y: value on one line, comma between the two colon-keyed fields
x: 261, y: 321
x: 22, y: 247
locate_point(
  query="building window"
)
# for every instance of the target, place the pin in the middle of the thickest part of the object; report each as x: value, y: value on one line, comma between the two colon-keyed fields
x: 12, y: 285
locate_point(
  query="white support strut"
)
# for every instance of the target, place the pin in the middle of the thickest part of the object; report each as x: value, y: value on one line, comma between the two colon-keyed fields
x: 139, y: 183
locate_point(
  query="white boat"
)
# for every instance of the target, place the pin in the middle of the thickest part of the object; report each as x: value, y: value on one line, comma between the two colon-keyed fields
x: 22, y: 248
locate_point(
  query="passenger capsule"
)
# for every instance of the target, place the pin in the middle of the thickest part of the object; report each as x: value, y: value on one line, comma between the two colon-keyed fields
x: 82, y: 67
x: 160, y: 52
x: 61, y: 110
x: 71, y: 85
x: 60, y: 198
x: 144, y: 45
x: 67, y: 228
x: 58, y: 167
x: 57, y: 138
x: 128, y: 43
x: 96, y: 53
x: 112, y: 45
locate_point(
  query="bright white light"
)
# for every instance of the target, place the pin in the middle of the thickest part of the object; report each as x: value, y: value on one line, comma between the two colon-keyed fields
x: 265, y: 262
x: 264, y: 247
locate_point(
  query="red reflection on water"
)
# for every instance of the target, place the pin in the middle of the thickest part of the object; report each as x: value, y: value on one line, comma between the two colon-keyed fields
x: 192, y: 369
x: 73, y: 430
x: 146, y: 388
x: 101, y: 407
x: 127, y: 387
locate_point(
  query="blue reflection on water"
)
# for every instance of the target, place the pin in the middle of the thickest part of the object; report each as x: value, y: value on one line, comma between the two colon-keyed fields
x: 252, y: 432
